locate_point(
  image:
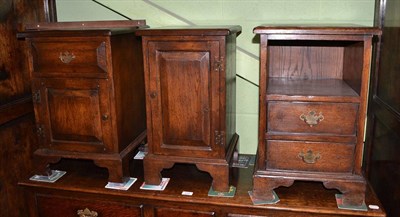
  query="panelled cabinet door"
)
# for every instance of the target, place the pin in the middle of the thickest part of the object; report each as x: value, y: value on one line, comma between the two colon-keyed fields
x: 73, y: 114
x: 183, y: 91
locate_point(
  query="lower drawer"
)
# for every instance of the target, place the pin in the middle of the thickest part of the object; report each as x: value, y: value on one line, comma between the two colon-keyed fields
x: 50, y: 206
x: 165, y: 212
x: 309, y: 156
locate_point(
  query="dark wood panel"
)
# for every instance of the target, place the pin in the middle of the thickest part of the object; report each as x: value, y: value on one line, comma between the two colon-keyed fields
x: 17, y: 143
x: 385, y: 166
x: 129, y: 88
x: 14, y: 76
x: 15, y: 109
x: 382, y: 164
x: 299, y: 61
x: 17, y: 128
x: 353, y: 65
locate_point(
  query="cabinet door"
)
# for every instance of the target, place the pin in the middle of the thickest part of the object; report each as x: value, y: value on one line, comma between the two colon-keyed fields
x: 73, y: 114
x: 183, y: 91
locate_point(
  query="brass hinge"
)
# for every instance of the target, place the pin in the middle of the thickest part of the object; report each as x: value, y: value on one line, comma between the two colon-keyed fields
x: 218, y: 64
x: 36, y: 97
x: 40, y: 130
x: 219, y: 138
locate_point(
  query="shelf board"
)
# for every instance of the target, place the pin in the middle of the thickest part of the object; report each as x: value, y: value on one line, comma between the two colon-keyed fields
x: 323, y: 90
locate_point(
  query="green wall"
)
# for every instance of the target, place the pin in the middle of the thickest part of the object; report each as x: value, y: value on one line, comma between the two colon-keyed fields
x: 247, y: 13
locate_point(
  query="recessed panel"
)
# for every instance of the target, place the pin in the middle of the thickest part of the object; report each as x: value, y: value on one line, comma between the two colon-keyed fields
x: 185, y: 97
x: 74, y: 115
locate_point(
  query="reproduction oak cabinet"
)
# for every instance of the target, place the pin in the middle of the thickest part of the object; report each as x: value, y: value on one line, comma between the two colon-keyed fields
x: 88, y: 92
x: 190, y: 99
x: 313, y: 100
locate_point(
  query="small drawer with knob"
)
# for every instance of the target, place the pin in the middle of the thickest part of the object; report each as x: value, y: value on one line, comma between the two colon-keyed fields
x: 316, y: 118
x: 49, y: 205
x: 70, y: 57
x: 309, y: 156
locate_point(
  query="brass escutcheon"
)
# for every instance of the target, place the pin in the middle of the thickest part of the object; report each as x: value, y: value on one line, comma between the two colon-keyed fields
x: 66, y: 57
x: 86, y: 213
x: 309, y: 157
x: 312, y: 118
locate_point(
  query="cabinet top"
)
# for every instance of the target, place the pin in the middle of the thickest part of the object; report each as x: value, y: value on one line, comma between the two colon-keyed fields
x: 191, y: 31
x: 317, y: 30
x: 86, y: 28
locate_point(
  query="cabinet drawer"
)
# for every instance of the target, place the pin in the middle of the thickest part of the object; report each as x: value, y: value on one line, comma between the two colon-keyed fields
x: 312, y: 118
x: 310, y: 156
x: 65, y: 57
x: 61, y: 206
x: 160, y: 212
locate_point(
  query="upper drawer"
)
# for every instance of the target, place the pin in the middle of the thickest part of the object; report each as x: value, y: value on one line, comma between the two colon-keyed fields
x: 69, y: 57
x: 312, y: 118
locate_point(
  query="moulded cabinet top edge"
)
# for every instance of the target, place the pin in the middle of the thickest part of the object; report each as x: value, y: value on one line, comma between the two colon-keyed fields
x: 317, y: 30
x: 87, y: 28
x: 191, y: 31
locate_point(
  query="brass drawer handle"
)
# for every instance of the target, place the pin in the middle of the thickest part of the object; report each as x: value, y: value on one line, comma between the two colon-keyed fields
x: 87, y: 213
x: 312, y: 118
x: 66, y: 57
x: 309, y: 157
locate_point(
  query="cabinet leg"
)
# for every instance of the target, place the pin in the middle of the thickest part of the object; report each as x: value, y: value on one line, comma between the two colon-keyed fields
x: 263, y: 187
x: 220, y: 175
x: 152, y: 169
x: 353, y: 193
x: 42, y: 164
x: 116, y: 170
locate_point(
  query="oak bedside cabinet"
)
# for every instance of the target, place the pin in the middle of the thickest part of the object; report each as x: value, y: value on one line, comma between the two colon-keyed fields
x: 190, y: 100
x: 88, y: 92
x: 312, y: 108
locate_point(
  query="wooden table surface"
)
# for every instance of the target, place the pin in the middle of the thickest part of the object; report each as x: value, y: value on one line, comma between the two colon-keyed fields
x: 301, y: 199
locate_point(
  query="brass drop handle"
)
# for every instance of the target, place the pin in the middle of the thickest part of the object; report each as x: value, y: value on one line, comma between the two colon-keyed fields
x: 312, y: 118
x: 66, y: 57
x: 309, y: 157
x: 87, y: 213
